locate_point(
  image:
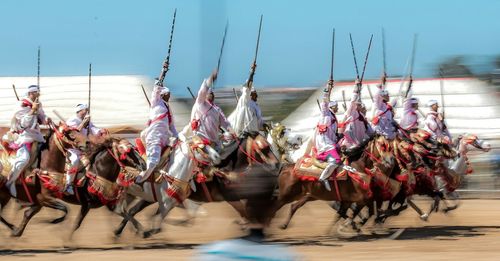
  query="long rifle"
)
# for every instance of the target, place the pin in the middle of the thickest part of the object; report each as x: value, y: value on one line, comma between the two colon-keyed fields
x: 15, y: 92
x: 249, y: 82
x: 90, y: 92
x: 344, y: 104
x: 222, y: 46
x: 366, y: 59
x: 412, y: 63
x: 145, y: 95
x: 333, y: 56
x: 235, y: 95
x: 191, y: 92
x: 441, y: 87
x: 166, y: 62
x: 383, y: 58
x: 38, y: 69
x: 354, y: 56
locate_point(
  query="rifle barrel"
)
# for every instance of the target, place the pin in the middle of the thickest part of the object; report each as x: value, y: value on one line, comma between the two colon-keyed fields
x: 354, y: 56
x: 366, y: 58
x: 145, y: 95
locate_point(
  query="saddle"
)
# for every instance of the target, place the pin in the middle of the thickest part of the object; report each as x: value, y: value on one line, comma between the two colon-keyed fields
x: 309, y: 168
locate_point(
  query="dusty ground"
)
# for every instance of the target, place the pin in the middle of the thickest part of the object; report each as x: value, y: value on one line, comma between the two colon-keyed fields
x: 471, y: 232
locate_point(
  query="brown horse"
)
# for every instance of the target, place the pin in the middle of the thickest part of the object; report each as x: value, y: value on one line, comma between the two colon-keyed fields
x: 353, y: 189
x: 107, y: 161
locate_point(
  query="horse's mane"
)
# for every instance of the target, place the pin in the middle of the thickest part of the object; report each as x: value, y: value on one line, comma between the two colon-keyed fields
x: 251, y: 134
x: 96, y: 148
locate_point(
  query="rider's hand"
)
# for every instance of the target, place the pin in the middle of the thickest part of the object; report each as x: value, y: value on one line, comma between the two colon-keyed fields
x: 35, y: 107
x: 214, y: 75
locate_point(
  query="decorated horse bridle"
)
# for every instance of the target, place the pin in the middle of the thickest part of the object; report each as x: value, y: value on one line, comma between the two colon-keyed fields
x: 62, y: 139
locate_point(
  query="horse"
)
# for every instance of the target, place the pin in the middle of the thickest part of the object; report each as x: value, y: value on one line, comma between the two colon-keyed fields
x: 295, y: 185
x: 283, y: 142
x: 448, y: 175
x: 173, y: 183
x: 250, y: 149
x: 107, y: 161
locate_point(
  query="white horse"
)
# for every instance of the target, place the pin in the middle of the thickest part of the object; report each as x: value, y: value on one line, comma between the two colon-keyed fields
x: 457, y: 168
x: 176, y: 181
x: 284, y: 142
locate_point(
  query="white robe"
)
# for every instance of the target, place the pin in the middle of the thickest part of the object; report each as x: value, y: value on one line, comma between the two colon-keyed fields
x: 326, y: 141
x: 409, y: 120
x: 161, y: 124
x: 357, y: 127
x: 247, y: 117
x: 209, y: 117
x: 385, y: 117
x: 435, y: 126
x: 26, y: 123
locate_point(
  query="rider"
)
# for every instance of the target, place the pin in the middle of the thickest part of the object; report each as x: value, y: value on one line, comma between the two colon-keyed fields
x: 383, y: 121
x: 81, y: 122
x: 160, y: 129
x: 207, y: 119
x: 25, y: 124
x: 247, y: 117
x: 434, y: 123
x: 356, y: 125
x: 325, y: 136
x: 409, y: 120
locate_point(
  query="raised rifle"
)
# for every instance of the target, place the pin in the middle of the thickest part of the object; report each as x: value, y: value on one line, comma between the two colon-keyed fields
x: 166, y: 62
x: 15, y: 92
x: 145, y: 95
x: 222, y: 46
x: 384, y: 79
x: 412, y: 63
x: 90, y: 89
x: 190, y: 92
x: 38, y: 69
x: 249, y: 82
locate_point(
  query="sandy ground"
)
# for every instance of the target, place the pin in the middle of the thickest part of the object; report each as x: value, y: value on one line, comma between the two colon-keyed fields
x: 470, y: 232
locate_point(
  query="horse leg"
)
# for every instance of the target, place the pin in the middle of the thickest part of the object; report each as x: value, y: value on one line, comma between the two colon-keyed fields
x: 129, y: 215
x: 423, y: 216
x: 84, y: 210
x: 293, y: 208
x: 4, y: 199
x: 54, y: 204
x: 240, y: 208
x: 165, y: 207
x: 28, y: 214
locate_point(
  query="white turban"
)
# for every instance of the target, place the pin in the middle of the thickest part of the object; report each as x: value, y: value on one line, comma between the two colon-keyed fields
x: 80, y: 107
x: 33, y: 88
x: 383, y: 92
x: 332, y: 103
x: 253, y: 90
x: 210, y: 90
x: 164, y: 90
x: 432, y: 102
x: 413, y: 100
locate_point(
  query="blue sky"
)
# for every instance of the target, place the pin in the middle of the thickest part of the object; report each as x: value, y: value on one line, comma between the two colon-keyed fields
x: 131, y: 37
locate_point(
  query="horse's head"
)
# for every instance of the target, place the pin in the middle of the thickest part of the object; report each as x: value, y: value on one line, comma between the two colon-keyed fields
x: 203, y: 152
x: 381, y: 148
x: 260, y: 151
x: 127, y: 155
x: 69, y: 137
x: 468, y: 141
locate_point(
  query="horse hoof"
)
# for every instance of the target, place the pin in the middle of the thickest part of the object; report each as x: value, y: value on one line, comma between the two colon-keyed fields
x: 16, y: 233
x: 284, y: 226
x: 424, y: 217
x: 147, y: 234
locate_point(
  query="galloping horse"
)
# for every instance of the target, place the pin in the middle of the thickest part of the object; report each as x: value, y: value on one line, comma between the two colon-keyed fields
x: 449, y: 175
x: 107, y: 161
x: 251, y: 149
x: 298, y: 186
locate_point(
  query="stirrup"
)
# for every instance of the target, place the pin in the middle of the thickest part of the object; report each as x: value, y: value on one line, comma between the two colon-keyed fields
x: 326, y: 184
